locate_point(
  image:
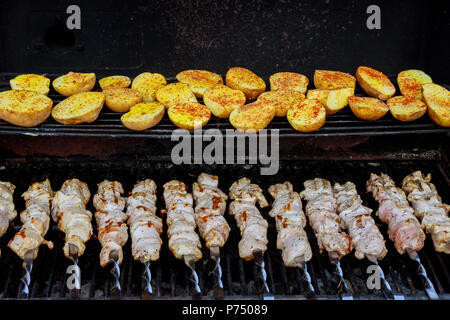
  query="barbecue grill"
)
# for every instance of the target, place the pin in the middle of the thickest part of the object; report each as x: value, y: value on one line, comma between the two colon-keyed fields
x: 344, y: 149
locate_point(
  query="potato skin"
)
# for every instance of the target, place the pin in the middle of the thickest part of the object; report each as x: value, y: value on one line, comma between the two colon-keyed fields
x: 175, y: 93
x: 73, y: 83
x: 410, y: 83
x: 375, y: 83
x: 289, y: 81
x: 406, y: 108
x: 367, y: 108
x: 143, y: 116
x: 190, y: 115
x: 437, y: 99
x: 148, y: 84
x: 83, y: 107
x: 246, y: 81
x: 114, y: 82
x: 199, y: 80
x: 281, y: 100
x: 31, y: 82
x: 307, y: 116
x: 121, y: 99
x: 327, y: 79
x: 254, y: 116
x: 221, y: 100
x: 24, y: 108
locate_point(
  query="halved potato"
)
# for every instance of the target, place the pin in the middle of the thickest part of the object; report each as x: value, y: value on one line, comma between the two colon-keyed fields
x: 318, y: 94
x: 375, y: 83
x: 143, y: 116
x: 307, y: 116
x: 327, y: 79
x: 253, y: 116
x: 79, y: 108
x: 333, y: 99
x: 438, y: 100
x: 367, y: 108
x: 199, y: 80
x: 73, y: 83
x: 289, y: 81
x: 24, y: 108
x: 189, y: 115
x: 406, y: 108
x: 281, y: 100
x: 410, y: 83
x: 175, y: 93
x: 147, y: 84
x: 31, y: 82
x: 114, y: 82
x: 246, y: 81
x: 121, y: 99
x: 221, y: 100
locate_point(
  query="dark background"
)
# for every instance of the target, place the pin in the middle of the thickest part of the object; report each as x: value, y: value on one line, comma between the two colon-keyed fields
x: 266, y: 36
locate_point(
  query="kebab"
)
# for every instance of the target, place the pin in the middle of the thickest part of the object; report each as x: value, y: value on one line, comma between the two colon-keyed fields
x: 145, y: 226
x: 7, y: 210
x: 36, y: 221
x: 210, y: 205
x: 184, y: 242
x: 428, y: 207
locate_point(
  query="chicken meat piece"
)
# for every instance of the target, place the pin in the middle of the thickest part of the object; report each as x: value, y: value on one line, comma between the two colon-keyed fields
x: 7, y: 210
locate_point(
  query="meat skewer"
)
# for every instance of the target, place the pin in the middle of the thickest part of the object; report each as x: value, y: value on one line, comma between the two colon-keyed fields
x: 290, y: 221
x: 36, y: 221
x: 145, y: 227
x: 252, y: 226
x: 184, y: 242
x: 112, y: 229
x: 7, y: 210
x: 428, y: 207
x: 210, y: 206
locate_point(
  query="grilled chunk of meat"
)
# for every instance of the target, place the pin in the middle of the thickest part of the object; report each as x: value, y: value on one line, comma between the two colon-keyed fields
x: 7, y: 210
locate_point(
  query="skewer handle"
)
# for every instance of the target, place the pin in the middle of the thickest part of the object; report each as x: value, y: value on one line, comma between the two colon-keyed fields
x: 115, y: 291
x: 147, y: 277
x: 428, y: 285
x: 194, y: 277
x: 218, y: 285
x: 310, y: 291
x: 24, y: 289
x: 259, y: 261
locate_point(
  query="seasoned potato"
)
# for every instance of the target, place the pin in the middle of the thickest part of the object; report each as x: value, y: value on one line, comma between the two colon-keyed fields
x: 221, y: 100
x: 189, y: 115
x: 199, y: 80
x: 410, y: 83
x: 24, y: 108
x: 147, y: 84
x: 367, y: 108
x: 73, y: 83
x: 253, y: 116
x: 114, y: 82
x: 406, y: 108
x: 121, y: 99
x: 175, y: 93
x: 31, y: 82
x: 375, y: 83
x: 326, y: 79
x: 281, y: 100
x: 307, y: 116
x: 143, y: 116
x: 79, y: 108
x: 289, y: 81
x: 246, y: 81
x: 333, y: 100
x: 438, y: 100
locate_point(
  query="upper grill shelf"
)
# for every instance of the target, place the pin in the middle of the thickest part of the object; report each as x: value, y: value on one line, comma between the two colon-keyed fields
x: 108, y: 124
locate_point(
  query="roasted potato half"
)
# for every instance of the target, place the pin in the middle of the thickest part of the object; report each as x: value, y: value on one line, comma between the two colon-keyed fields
x: 199, y: 80
x: 73, y: 83
x: 307, y: 116
x: 405, y: 108
x: 31, y: 82
x: 253, y: 116
x: 147, y: 84
x: 367, y: 108
x: 326, y: 79
x: 375, y: 83
x: 79, y: 108
x: 281, y: 100
x: 121, y: 99
x: 175, y: 93
x: 246, y: 81
x: 410, y: 83
x: 288, y: 81
x: 189, y: 115
x: 24, y: 108
x: 221, y: 100
x: 438, y: 100
x: 333, y: 100
x: 143, y: 116
x: 114, y: 82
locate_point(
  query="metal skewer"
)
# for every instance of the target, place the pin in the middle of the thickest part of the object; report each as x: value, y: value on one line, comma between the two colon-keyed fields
x: 342, y: 285
x: 218, y: 285
x: 27, y: 265
x: 428, y: 285
x: 115, y: 291
x: 310, y: 292
x: 259, y: 261
x: 147, y: 293
x: 76, y: 285
x: 189, y: 261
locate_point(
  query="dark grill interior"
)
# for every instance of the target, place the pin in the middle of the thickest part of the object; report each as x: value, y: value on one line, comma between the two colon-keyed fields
x: 171, y: 277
